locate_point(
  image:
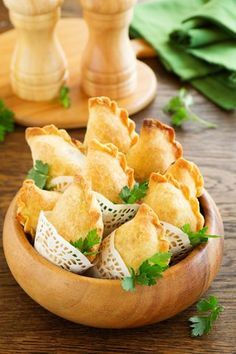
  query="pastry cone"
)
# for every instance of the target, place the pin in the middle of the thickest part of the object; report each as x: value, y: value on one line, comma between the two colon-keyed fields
x: 155, y: 150
x: 173, y: 202
x: 55, y: 147
x: 140, y: 238
x: 187, y: 174
x: 77, y: 212
x: 108, y: 170
x: 110, y: 124
x: 30, y: 201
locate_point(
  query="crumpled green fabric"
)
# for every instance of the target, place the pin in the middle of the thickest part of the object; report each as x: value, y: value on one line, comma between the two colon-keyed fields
x: 195, y: 36
x: 207, y: 58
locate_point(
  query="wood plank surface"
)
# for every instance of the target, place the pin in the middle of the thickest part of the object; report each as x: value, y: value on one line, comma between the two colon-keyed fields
x: 25, y: 327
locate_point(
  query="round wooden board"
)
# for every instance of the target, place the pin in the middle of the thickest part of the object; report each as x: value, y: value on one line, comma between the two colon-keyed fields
x: 73, y: 35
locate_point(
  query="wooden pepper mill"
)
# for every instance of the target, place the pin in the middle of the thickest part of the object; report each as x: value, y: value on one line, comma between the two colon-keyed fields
x: 109, y: 63
x: 38, y: 67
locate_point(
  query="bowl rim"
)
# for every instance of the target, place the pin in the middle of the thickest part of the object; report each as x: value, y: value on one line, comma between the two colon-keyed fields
x: 192, y: 256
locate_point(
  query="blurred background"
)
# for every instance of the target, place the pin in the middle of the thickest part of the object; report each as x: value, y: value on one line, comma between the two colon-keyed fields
x: 69, y: 8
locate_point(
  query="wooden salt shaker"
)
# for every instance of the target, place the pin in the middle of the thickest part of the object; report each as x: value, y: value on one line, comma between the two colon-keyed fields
x: 38, y: 67
x: 109, y: 63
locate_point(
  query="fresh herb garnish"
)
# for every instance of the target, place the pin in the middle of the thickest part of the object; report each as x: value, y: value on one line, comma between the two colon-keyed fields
x: 130, y: 196
x: 85, y: 245
x: 179, y: 110
x: 209, y: 312
x: 39, y: 173
x: 149, y: 271
x: 6, y: 120
x: 197, y: 237
x: 64, y: 97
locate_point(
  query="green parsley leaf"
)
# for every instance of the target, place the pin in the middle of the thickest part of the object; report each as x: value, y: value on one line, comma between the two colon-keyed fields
x: 197, y: 237
x: 199, y: 326
x: 178, y: 108
x: 209, y: 312
x: 64, y: 97
x: 6, y: 120
x: 85, y: 245
x: 39, y: 173
x: 131, y: 196
x: 128, y: 283
x: 148, y: 272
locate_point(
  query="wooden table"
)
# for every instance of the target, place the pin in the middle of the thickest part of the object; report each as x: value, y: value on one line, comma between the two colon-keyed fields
x: 25, y: 327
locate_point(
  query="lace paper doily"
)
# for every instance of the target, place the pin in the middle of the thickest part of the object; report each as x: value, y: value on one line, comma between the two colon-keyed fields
x: 114, y: 215
x: 109, y: 264
x: 60, y: 183
x: 179, y: 241
x: 56, y: 249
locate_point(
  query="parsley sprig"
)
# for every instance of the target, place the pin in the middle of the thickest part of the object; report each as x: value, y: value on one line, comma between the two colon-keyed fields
x: 179, y: 110
x: 39, y: 173
x: 149, y: 271
x: 131, y: 196
x: 6, y: 120
x: 197, y: 237
x: 85, y: 245
x: 64, y: 97
x: 209, y: 312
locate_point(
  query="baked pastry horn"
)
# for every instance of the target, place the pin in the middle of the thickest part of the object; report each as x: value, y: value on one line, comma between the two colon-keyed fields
x: 74, y: 227
x: 130, y: 245
x: 113, y: 215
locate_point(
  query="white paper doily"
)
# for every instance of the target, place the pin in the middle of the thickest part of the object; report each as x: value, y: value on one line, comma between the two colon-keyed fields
x: 179, y: 241
x: 114, y: 215
x: 56, y: 249
x: 109, y: 264
x: 60, y: 183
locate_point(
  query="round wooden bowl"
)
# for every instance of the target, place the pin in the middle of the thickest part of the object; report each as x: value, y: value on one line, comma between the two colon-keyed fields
x: 103, y: 303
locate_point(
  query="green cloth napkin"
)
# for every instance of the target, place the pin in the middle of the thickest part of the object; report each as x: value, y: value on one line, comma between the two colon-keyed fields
x: 191, y: 36
x: 211, y: 32
x: 208, y: 68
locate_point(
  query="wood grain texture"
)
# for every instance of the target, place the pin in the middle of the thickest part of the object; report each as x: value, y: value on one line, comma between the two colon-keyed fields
x: 30, y: 113
x: 102, y: 303
x: 37, y: 42
x: 27, y: 328
x: 113, y: 73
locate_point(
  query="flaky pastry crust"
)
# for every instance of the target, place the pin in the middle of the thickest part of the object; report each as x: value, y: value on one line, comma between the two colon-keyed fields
x: 77, y: 212
x: 187, y: 174
x: 30, y: 201
x: 53, y: 130
x: 155, y: 150
x: 54, y: 146
x: 140, y: 238
x: 110, y: 124
x: 173, y: 203
x: 108, y: 170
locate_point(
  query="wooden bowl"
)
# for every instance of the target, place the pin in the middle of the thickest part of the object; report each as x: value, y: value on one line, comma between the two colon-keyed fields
x: 103, y: 303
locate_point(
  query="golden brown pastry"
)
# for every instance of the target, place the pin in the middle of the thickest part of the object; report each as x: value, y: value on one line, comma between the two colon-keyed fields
x: 110, y: 124
x: 55, y: 147
x: 30, y: 201
x: 140, y: 238
x: 187, y: 174
x: 155, y: 150
x: 173, y: 203
x: 77, y: 212
x: 108, y: 170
